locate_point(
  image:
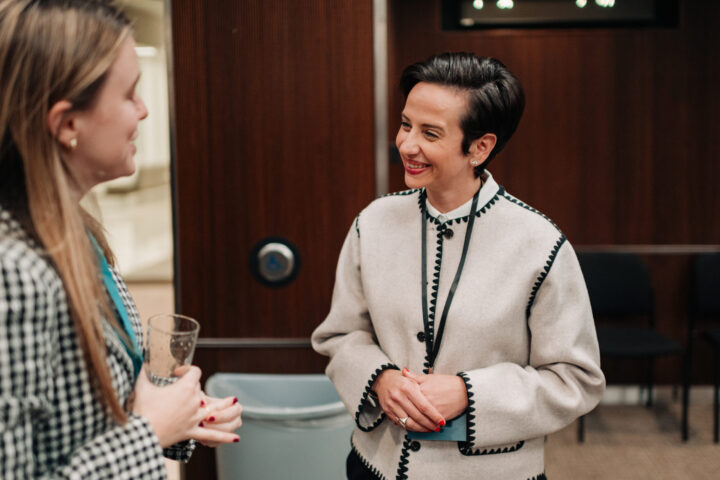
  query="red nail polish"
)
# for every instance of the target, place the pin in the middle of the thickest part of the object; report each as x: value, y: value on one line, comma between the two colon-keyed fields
x: 442, y: 423
x: 201, y: 424
x: 438, y: 429
x: 235, y: 400
x: 211, y: 419
x: 202, y: 403
x: 405, y: 370
x: 236, y: 440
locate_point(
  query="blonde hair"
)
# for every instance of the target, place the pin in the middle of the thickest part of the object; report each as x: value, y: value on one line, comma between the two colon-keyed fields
x: 52, y: 50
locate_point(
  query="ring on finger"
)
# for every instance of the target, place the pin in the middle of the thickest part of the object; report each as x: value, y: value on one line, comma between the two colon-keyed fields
x: 403, y: 422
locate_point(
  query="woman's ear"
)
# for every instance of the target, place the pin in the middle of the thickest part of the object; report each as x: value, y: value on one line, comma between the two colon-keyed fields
x: 61, y: 124
x: 482, y: 147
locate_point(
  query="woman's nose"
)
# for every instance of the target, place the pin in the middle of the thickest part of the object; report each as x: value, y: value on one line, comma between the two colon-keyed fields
x: 407, y: 145
x: 142, y: 109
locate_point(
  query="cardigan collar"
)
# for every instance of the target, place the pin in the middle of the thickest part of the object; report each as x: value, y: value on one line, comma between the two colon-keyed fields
x: 487, y: 192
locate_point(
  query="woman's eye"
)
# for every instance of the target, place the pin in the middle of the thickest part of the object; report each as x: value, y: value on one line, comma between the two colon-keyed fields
x: 405, y: 125
x: 431, y: 135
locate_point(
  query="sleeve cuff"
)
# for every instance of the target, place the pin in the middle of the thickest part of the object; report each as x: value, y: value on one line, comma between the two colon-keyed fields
x: 466, y: 446
x: 181, y: 451
x: 369, y: 414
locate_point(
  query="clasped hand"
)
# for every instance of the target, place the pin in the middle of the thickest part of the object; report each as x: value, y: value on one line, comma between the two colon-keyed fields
x: 427, y: 401
x: 182, y: 411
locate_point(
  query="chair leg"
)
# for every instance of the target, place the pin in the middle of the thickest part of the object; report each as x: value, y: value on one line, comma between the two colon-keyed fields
x: 651, y: 378
x: 581, y: 429
x: 686, y: 381
x: 716, y: 402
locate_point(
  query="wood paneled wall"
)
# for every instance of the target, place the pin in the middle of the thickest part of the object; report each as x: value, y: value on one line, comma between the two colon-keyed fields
x: 620, y: 140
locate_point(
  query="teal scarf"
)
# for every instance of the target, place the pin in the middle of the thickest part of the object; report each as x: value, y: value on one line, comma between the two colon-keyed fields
x: 133, y: 349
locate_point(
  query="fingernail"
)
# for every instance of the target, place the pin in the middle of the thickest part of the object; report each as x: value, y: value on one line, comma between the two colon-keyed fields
x: 201, y: 424
x: 202, y: 403
x: 442, y: 423
x: 211, y: 419
x: 235, y: 400
x: 236, y: 440
x: 438, y: 429
x: 405, y: 370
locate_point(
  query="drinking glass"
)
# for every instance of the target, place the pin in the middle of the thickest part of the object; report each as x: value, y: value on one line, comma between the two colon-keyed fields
x: 170, y: 344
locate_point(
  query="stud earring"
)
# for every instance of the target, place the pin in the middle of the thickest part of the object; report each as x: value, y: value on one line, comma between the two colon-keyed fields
x: 73, y: 143
x: 474, y: 162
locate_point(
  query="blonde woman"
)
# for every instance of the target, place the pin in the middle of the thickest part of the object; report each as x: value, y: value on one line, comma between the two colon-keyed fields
x: 68, y: 361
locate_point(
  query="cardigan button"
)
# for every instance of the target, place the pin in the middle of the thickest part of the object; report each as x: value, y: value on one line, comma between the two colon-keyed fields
x: 421, y: 337
x: 415, y: 446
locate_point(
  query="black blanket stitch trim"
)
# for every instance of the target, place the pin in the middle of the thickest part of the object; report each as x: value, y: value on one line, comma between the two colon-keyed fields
x: 466, y: 447
x: 481, y: 211
x: 434, y: 294
x: 367, y: 464
x: 543, y: 275
x: 366, y: 393
x: 402, y: 466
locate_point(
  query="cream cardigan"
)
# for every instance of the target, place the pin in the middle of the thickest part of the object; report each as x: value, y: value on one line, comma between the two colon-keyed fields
x: 520, y: 333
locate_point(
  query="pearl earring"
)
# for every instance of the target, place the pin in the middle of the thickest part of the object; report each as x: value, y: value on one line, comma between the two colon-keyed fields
x: 474, y: 162
x: 73, y: 143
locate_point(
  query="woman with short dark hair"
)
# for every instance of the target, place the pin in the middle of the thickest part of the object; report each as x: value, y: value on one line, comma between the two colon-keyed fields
x: 460, y: 332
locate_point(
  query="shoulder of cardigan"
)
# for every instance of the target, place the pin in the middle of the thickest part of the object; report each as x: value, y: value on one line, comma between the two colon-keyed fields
x: 527, y: 207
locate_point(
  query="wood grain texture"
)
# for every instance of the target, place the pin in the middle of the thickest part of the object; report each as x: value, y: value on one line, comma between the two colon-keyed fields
x: 274, y: 138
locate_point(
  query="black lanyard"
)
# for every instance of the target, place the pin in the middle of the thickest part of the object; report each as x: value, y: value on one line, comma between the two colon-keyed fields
x: 433, y: 347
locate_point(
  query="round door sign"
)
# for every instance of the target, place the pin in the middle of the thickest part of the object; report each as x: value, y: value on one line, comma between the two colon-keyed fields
x: 274, y: 262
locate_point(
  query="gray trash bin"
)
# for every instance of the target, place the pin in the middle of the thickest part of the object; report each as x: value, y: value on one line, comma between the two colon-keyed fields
x: 294, y: 427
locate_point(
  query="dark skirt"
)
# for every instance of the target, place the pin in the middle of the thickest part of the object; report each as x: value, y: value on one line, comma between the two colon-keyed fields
x: 356, y: 469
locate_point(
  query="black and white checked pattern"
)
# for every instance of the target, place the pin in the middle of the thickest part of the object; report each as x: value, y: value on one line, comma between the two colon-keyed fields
x: 50, y: 423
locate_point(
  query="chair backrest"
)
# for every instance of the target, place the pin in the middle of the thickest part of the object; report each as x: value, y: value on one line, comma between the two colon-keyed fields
x: 705, y: 294
x: 618, y: 284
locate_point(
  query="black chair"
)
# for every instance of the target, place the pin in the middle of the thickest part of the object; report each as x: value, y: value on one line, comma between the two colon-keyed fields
x: 704, y: 306
x: 620, y: 291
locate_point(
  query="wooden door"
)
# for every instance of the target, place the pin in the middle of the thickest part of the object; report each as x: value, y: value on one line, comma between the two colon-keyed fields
x: 273, y: 137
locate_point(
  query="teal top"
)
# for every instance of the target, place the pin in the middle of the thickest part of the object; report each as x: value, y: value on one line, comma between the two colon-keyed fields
x: 133, y: 349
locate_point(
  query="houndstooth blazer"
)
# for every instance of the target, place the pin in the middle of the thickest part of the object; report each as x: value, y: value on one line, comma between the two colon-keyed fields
x: 51, y: 425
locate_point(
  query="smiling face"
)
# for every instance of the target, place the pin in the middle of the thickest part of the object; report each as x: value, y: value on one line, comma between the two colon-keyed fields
x: 429, y: 141
x: 106, y: 131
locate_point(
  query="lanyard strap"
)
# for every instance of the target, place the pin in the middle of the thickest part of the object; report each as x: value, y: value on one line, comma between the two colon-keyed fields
x: 432, y: 346
x: 133, y: 350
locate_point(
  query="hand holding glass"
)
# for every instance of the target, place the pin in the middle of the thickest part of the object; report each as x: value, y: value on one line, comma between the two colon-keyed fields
x: 170, y: 344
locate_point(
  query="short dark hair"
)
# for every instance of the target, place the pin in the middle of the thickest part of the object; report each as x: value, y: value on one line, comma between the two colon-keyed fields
x: 495, y: 97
